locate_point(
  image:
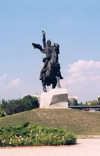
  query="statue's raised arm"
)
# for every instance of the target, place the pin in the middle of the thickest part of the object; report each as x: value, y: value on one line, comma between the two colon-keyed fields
x: 38, y: 46
x: 44, y: 40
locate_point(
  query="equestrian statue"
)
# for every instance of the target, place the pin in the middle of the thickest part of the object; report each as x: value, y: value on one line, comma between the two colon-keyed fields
x: 50, y: 72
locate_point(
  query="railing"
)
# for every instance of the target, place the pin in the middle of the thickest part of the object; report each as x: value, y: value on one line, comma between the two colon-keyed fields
x: 87, y: 108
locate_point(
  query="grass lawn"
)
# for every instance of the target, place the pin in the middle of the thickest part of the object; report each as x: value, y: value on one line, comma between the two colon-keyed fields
x: 74, y: 121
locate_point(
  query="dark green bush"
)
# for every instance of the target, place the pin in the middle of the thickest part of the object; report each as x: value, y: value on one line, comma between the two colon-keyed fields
x: 35, y: 135
x: 20, y: 105
x: 70, y: 139
x: 2, y: 114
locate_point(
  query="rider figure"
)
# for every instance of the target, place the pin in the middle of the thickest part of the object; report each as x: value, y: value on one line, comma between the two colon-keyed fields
x: 48, y: 51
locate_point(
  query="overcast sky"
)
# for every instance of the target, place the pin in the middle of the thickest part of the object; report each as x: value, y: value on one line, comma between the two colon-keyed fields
x: 74, y: 24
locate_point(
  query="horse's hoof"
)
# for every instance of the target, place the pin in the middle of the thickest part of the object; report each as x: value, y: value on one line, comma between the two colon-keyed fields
x: 61, y: 77
x: 44, y: 89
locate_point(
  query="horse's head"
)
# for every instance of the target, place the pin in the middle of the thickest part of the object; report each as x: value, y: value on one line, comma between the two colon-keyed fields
x: 56, y: 45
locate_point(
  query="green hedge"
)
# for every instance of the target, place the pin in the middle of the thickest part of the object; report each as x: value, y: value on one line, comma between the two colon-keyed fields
x: 35, y: 135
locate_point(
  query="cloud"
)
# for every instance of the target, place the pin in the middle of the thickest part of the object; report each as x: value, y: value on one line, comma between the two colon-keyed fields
x: 2, y: 79
x: 10, y: 89
x: 14, y: 83
x: 16, y: 88
x: 83, y: 79
x: 3, y: 82
x: 82, y: 64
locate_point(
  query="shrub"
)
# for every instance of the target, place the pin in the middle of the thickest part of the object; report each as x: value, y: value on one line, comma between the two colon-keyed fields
x: 20, y: 105
x: 93, y: 103
x: 2, y: 114
x: 1, y: 111
x: 70, y: 139
x: 35, y: 135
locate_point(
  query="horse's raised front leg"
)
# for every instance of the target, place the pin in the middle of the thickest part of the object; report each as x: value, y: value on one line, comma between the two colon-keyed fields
x: 44, y: 87
x: 58, y: 82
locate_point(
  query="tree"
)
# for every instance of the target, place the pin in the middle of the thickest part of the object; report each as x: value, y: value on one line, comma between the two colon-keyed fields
x: 75, y: 103
x: 93, y: 103
x: 19, y: 105
x: 30, y: 102
x: 98, y: 100
x: 4, y: 104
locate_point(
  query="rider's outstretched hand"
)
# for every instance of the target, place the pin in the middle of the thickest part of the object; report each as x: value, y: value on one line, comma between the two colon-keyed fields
x: 43, y: 31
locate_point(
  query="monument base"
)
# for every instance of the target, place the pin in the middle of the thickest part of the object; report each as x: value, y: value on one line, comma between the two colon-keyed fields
x: 55, y: 98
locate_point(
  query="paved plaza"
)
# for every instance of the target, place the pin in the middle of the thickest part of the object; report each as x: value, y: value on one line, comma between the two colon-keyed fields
x: 84, y: 147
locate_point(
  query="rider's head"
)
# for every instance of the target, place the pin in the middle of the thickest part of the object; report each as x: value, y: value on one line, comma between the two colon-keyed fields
x: 48, y: 42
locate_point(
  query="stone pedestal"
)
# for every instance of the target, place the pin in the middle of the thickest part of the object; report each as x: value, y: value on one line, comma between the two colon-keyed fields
x: 55, y: 98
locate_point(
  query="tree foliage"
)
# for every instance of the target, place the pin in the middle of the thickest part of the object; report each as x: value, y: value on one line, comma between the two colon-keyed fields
x: 75, y: 103
x: 93, y: 103
x: 19, y: 105
x: 99, y: 100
